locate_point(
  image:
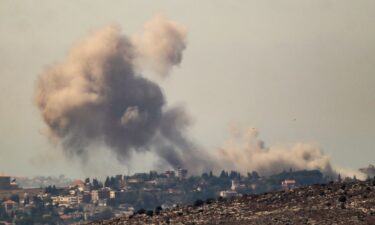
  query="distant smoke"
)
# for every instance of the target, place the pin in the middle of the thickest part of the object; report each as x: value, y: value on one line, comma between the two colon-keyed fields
x: 245, y: 152
x: 96, y: 97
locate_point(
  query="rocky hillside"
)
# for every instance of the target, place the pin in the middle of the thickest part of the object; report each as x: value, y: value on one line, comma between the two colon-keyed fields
x: 334, y: 203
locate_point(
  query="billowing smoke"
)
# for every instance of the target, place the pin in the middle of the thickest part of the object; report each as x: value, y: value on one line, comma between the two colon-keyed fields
x: 160, y: 45
x: 96, y: 96
x: 245, y: 152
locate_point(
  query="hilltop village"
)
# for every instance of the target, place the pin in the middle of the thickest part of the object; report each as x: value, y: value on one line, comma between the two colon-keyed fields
x: 119, y: 195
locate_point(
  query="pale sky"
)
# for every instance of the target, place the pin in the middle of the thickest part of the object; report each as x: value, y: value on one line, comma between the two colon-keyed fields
x: 296, y: 70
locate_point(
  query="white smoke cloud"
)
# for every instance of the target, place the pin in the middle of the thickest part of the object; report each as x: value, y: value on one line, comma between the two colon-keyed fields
x: 247, y: 153
x: 160, y: 45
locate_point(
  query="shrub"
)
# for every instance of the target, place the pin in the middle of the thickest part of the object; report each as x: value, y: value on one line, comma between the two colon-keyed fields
x: 342, y: 198
x: 198, y: 202
x: 220, y: 199
x: 209, y: 201
x: 141, y: 211
x: 150, y: 213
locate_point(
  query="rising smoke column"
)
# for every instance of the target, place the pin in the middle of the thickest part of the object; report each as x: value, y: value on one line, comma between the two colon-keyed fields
x: 244, y: 152
x: 96, y: 96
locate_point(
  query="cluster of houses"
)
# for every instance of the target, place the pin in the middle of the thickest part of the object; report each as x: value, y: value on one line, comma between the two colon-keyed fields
x: 85, y: 200
x: 89, y: 200
x: 286, y: 185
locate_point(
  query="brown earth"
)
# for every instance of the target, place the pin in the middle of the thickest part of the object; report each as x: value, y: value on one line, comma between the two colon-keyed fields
x: 334, y: 203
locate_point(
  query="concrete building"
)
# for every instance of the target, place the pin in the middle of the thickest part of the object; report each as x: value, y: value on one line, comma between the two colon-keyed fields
x: 228, y: 194
x: 94, y: 196
x: 169, y: 173
x: 61, y: 200
x: 235, y: 185
x: 67, y: 201
x: 288, y: 184
x: 182, y: 173
x: 10, y: 206
x: 112, y: 194
x: 86, y: 197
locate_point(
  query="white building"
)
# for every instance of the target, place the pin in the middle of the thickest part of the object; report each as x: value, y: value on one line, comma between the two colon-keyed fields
x: 94, y: 196
x: 112, y: 194
x: 228, y: 194
x: 67, y: 201
x: 288, y: 184
x: 235, y: 185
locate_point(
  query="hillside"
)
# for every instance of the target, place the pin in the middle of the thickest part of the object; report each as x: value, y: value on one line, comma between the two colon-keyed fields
x: 334, y: 203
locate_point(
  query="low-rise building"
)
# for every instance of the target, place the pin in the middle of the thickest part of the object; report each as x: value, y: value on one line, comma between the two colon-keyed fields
x: 94, y: 196
x: 10, y: 206
x: 169, y: 173
x: 288, y: 184
x: 228, y: 194
x: 112, y: 194
x: 182, y: 173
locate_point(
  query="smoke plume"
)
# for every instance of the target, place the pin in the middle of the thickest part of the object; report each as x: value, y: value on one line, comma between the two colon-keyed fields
x: 96, y: 97
x: 245, y: 152
x: 160, y: 45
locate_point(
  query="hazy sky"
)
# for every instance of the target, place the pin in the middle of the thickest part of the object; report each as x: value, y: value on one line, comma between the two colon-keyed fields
x: 296, y: 70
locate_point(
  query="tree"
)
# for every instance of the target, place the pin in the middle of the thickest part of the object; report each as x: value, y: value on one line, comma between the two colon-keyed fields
x: 141, y: 211
x: 15, y: 198
x: 107, y: 182
x: 158, y: 208
x: 26, y: 200
x: 223, y: 174
x: 198, y: 202
x: 96, y: 184
x: 150, y: 213
x: 54, y: 190
x: 3, y: 213
x: 234, y: 174
x: 205, y: 176
x: 113, y: 182
x: 69, y: 210
x: 255, y: 175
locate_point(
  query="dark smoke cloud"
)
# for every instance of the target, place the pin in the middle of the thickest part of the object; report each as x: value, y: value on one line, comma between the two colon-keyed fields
x: 95, y: 96
x: 177, y: 150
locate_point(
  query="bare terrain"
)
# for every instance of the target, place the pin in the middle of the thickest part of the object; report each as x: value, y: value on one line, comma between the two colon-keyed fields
x: 333, y: 203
